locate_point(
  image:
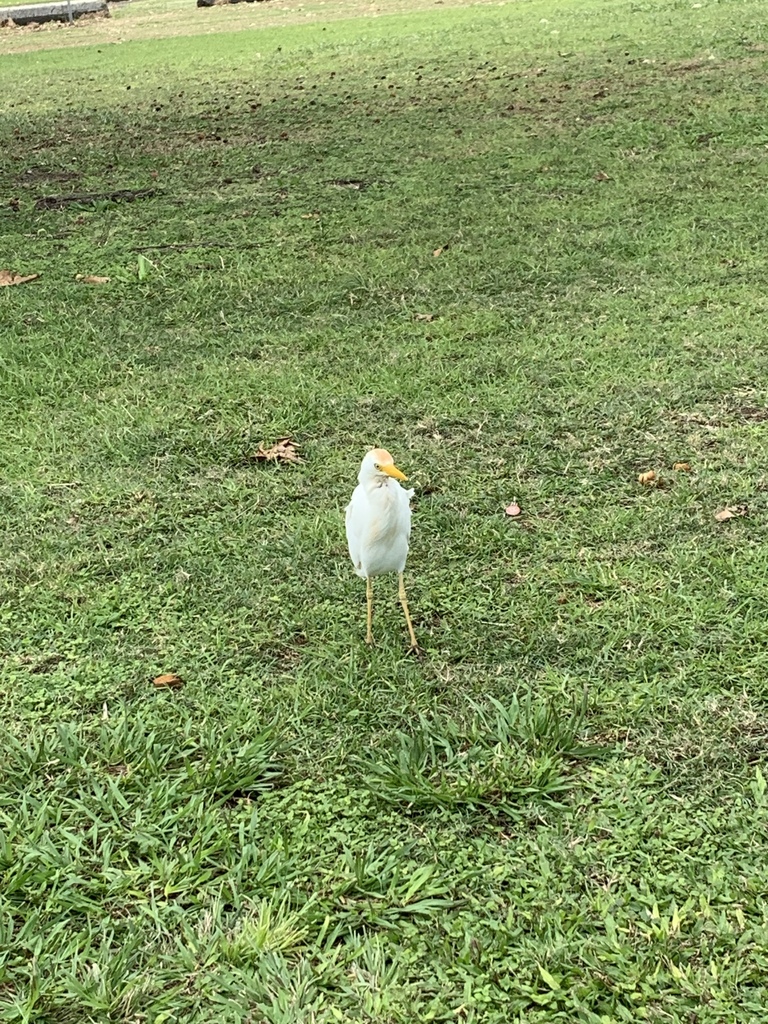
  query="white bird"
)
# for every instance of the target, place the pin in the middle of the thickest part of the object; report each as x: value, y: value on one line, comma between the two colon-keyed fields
x: 378, y: 524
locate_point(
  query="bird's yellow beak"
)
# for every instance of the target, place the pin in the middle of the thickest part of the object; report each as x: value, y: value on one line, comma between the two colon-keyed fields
x: 392, y: 470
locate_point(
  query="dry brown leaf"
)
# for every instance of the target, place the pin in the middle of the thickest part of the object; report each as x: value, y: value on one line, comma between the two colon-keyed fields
x: 283, y: 450
x: 169, y: 679
x: 602, y: 176
x: 91, y: 279
x: 513, y: 509
x: 7, y: 277
x: 439, y: 251
x: 429, y: 317
x: 647, y: 478
x: 730, y: 512
x: 682, y: 467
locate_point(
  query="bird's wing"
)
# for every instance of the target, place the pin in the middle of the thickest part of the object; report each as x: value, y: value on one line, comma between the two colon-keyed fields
x: 405, y: 498
x: 352, y: 521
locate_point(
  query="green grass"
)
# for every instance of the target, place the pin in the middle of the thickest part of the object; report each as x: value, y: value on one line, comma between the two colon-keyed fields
x: 560, y: 813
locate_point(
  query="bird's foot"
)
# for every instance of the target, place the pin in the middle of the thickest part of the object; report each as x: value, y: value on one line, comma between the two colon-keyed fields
x: 416, y: 652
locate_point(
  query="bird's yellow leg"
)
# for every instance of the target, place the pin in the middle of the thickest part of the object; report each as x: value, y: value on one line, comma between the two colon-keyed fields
x: 404, y: 603
x: 369, y: 594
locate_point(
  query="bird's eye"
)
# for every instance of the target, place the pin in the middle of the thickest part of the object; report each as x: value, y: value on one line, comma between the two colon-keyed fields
x: 376, y: 465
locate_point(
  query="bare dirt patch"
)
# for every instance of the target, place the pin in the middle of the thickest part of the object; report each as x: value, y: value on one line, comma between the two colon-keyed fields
x: 33, y: 175
x: 161, y: 19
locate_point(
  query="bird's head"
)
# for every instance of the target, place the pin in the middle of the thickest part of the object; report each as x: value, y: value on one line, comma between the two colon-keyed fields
x: 378, y: 463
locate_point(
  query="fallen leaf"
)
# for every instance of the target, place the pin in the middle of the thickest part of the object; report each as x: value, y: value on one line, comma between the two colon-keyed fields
x: 647, y: 478
x: 429, y: 317
x: 513, y: 509
x: 730, y: 512
x: 682, y: 467
x: 169, y: 679
x: 91, y: 279
x: 7, y: 277
x: 602, y: 176
x: 283, y: 450
x: 439, y: 251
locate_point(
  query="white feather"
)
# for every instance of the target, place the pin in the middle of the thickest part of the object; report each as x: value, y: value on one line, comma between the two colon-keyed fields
x: 378, y: 522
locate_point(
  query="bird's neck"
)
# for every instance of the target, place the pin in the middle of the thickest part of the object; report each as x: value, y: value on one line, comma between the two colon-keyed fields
x: 377, y: 484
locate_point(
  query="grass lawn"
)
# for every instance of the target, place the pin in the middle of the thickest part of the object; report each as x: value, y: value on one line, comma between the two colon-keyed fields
x: 523, y: 247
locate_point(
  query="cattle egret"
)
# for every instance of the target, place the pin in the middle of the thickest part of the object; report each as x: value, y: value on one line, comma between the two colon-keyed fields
x: 379, y: 526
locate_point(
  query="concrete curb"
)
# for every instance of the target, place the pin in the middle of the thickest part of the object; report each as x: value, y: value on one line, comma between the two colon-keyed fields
x: 59, y: 11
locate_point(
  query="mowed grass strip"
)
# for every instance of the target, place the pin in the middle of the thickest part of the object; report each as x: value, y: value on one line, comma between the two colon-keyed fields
x: 522, y: 247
